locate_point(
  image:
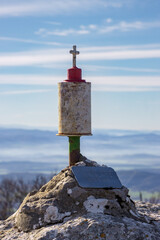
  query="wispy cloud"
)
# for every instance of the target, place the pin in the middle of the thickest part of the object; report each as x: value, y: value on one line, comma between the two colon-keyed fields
x: 121, y: 55
x: 120, y: 47
x: 22, y: 92
x: 100, y: 83
x: 82, y: 30
x: 145, y: 81
x: 30, y: 79
x: 125, y: 83
x: 44, y: 32
x: 50, y: 7
x: 32, y: 58
x: 124, y: 26
x: 56, y: 56
x: 97, y: 68
x: 106, y: 28
x: 126, y: 69
x: 28, y: 41
x: 108, y: 20
x: 53, y: 23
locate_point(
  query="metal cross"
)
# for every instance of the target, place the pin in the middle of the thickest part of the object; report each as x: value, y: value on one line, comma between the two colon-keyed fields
x: 74, y: 52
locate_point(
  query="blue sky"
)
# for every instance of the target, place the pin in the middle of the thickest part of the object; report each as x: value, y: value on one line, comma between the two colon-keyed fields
x: 119, y: 44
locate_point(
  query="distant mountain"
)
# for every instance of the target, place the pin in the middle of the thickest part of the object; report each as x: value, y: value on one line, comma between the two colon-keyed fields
x: 28, y: 167
x: 133, y: 179
x: 140, y: 180
x: 27, y: 177
x: 34, y: 150
x: 15, y: 137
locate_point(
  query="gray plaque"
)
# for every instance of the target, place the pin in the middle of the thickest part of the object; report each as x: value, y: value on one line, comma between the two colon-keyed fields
x: 96, y: 177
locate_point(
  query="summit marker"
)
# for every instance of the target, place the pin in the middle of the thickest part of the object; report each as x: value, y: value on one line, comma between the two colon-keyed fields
x: 74, y: 109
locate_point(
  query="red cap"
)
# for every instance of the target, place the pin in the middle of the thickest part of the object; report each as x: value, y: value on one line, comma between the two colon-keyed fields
x: 74, y: 75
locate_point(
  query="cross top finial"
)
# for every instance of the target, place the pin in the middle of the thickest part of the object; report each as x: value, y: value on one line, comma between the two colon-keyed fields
x: 74, y: 52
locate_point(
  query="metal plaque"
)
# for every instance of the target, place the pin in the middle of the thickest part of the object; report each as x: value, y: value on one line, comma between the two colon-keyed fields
x: 96, y: 177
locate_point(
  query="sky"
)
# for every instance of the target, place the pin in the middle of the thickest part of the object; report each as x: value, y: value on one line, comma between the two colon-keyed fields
x: 119, y: 44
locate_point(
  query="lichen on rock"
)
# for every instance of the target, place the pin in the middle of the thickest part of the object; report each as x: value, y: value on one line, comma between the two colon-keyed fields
x: 94, y: 205
x: 62, y: 197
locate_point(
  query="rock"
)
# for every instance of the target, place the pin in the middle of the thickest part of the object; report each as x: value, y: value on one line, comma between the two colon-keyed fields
x: 63, y: 210
x: 88, y: 226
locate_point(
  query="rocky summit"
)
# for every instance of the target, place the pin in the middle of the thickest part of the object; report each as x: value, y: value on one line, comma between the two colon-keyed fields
x: 63, y: 210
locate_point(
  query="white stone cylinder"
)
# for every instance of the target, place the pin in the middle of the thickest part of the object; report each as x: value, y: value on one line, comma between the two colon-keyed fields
x: 74, y: 108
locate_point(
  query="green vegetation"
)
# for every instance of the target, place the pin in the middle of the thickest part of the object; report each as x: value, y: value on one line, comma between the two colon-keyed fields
x: 145, y: 196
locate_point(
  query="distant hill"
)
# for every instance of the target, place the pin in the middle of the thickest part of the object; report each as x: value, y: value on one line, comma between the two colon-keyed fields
x: 27, y: 177
x: 133, y: 179
x: 35, y: 151
x: 140, y: 180
x: 123, y: 149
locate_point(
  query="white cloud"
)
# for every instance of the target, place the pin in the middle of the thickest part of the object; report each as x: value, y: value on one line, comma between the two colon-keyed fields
x: 82, y: 32
x: 129, y: 26
x: 105, y: 88
x: 122, y: 26
x: 135, y: 81
x: 28, y: 41
x: 121, y: 55
x: 44, y: 32
x: 32, y: 58
x: 56, y: 56
x: 92, y: 26
x: 30, y: 79
x: 53, y: 23
x: 99, y: 83
x: 52, y: 7
x: 108, y: 20
x: 125, y: 83
x: 97, y: 68
x: 120, y: 47
x: 22, y: 92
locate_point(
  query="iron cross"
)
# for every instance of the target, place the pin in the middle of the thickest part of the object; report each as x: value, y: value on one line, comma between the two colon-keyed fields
x: 74, y: 52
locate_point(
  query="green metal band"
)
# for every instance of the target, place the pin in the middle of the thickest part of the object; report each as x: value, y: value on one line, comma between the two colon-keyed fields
x: 74, y: 143
x: 74, y: 150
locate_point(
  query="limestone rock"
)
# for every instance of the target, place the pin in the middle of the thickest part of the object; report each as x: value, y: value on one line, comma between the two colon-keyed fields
x: 61, y: 209
x: 90, y: 226
x: 62, y: 197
